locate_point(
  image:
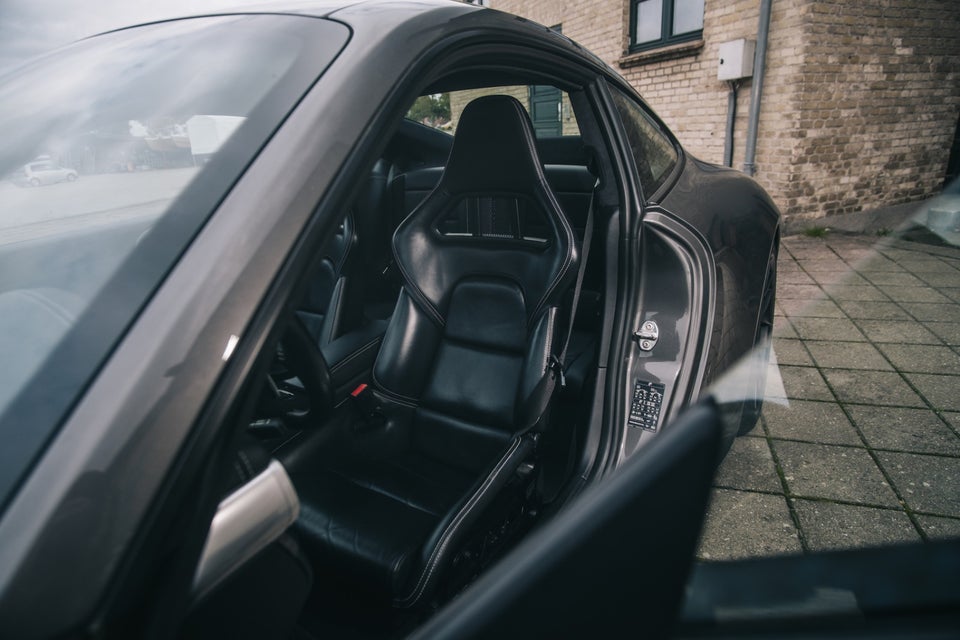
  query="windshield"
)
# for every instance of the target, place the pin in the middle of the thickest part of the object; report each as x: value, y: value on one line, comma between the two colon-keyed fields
x: 116, y: 150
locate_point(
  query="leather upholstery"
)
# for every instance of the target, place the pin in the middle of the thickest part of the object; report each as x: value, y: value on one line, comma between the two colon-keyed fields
x: 573, y: 184
x: 463, y: 372
x: 328, y: 309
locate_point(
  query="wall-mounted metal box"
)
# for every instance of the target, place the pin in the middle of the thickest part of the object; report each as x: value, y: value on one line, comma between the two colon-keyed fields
x: 736, y: 59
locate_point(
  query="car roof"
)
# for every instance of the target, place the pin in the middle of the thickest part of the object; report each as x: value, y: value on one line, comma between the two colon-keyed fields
x: 311, y: 8
x: 377, y: 14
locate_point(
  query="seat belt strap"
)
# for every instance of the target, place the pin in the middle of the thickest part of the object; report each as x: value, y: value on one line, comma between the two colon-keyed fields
x: 584, y: 253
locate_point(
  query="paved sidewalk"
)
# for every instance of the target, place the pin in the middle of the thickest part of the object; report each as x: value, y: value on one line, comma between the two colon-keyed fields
x: 867, y: 452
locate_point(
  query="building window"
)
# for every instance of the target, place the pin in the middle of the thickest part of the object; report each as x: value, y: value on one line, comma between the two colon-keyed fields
x: 657, y: 23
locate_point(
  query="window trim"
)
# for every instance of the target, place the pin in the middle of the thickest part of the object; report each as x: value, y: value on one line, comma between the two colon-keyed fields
x: 667, y: 37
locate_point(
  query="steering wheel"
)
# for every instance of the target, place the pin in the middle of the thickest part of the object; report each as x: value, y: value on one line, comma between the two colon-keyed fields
x: 299, y: 379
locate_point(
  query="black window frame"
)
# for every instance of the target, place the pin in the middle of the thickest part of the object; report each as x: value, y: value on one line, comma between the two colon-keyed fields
x: 667, y: 37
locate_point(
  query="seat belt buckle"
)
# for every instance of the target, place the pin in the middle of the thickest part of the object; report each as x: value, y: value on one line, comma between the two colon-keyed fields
x: 557, y: 367
x: 366, y: 403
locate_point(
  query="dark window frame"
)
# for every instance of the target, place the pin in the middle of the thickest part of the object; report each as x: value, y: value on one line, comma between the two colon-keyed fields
x: 667, y: 37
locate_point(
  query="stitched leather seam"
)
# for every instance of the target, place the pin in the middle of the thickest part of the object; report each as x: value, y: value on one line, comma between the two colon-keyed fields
x: 399, y: 398
x: 369, y: 486
x: 568, y: 259
x: 446, y: 411
x: 433, y: 562
x: 349, y: 245
x: 418, y: 296
x: 480, y: 346
x: 366, y: 347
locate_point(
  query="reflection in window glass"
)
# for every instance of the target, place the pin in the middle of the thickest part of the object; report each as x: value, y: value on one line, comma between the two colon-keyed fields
x: 687, y: 16
x: 649, y: 20
x: 653, y: 152
x: 102, y: 140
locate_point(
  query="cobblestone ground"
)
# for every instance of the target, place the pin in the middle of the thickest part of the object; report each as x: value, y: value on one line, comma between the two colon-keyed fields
x: 863, y: 450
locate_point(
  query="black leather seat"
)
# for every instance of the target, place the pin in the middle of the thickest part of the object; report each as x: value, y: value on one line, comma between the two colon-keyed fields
x: 331, y: 304
x: 465, y: 373
x: 573, y: 185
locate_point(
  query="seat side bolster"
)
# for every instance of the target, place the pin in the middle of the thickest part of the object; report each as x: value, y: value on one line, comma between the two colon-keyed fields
x: 407, y: 352
x: 537, y: 376
x: 449, y: 533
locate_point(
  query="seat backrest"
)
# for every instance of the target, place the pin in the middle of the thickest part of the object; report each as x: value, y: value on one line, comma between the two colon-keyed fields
x: 326, y: 310
x: 484, y: 260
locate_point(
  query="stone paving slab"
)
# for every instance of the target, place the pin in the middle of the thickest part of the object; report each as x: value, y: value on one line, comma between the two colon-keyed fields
x: 749, y: 466
x: 804, y: 383
x: 742, y: 524
x: 927, y: 483
x: 828, y: 525
x: 897, y: 332
x: 901, y: 429
x: 937, y: 528
x: 830, y: 354
x: 923, y: 358
x: 790, y: 351
x: 872, y: 387
x: 827, y: 329
x: 833, y: 472
x: 872, y: 309
x: 819, y: 422
x: 860, y: 446
x: 948, y: 332
x: 942, y: 392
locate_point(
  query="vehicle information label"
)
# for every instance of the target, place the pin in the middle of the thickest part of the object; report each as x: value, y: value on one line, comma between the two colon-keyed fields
x: 645, y: 406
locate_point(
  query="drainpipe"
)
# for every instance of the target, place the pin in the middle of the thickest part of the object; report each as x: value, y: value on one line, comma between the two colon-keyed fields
x: 731, y: 118
x: 756, y: 90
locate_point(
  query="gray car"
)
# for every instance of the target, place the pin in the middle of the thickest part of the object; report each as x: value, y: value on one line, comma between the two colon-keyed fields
x: 418, y: 332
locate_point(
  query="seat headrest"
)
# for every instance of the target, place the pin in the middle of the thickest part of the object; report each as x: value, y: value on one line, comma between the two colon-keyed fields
x: 494, y: 149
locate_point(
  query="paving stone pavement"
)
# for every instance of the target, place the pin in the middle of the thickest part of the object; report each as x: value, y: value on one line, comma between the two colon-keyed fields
x: 865, y: 448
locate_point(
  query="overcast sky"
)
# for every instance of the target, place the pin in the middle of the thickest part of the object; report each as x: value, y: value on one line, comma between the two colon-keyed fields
x: 30, y: 27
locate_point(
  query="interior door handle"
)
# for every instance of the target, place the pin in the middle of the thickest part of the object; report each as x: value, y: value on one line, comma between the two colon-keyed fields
x: 246, y: 522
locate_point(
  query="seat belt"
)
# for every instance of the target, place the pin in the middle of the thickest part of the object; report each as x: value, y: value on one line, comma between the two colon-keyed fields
x: 584, y: 252
x: 547, y: 384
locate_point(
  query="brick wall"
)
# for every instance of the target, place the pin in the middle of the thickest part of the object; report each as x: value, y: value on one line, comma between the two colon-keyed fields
x: 860, y: 99
x: 879, y: 101
x: 460, y: 99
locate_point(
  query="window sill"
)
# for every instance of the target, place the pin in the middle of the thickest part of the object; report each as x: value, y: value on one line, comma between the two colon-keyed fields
x: 670, y: 52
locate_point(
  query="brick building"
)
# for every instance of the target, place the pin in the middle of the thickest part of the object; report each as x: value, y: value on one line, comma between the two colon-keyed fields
x: 860, y: 99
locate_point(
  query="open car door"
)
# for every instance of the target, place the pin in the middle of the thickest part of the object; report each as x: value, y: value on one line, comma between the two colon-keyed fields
x: 616, y: 559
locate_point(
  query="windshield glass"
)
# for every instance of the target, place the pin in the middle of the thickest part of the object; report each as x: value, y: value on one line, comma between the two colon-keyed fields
x: 116, y: 150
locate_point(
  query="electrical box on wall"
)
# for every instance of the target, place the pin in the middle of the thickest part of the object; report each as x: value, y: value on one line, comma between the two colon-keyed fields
x: 736, y: 59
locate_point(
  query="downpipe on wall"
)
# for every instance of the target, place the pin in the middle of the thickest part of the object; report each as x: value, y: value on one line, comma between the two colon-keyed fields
x: 756, y: 88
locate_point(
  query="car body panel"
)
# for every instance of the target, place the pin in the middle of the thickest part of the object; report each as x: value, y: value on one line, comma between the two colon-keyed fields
x: 740, y: 224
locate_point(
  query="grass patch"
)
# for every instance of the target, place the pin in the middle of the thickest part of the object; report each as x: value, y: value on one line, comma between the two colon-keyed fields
x: 883, y: 232
x: 816, y: 232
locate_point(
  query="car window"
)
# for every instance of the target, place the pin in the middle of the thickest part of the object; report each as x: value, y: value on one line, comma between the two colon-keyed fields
x: 122, y: 135
x: 653, y: 151
x: 549, y: 108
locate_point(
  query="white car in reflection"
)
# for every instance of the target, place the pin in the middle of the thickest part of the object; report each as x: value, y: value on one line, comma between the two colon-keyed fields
x: 41, y: 172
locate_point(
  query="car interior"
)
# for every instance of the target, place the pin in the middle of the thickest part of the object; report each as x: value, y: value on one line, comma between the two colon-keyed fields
x: 431, y: 393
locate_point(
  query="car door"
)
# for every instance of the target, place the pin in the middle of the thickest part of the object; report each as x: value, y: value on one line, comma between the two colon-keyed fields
x: 614, y: 562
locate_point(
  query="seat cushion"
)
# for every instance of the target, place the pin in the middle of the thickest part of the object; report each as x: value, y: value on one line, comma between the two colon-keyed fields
x: 369, y: 518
